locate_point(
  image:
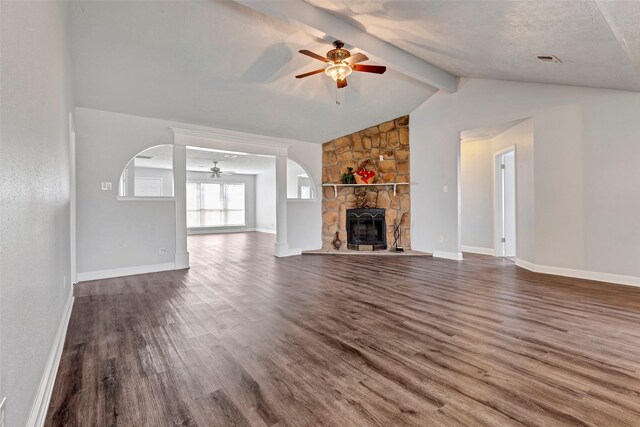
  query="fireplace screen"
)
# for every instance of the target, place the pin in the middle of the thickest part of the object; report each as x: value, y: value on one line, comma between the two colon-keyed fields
x: 366, y: 229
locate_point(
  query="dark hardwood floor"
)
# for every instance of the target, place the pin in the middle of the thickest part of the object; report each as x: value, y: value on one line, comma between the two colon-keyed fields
x: 243, y: 338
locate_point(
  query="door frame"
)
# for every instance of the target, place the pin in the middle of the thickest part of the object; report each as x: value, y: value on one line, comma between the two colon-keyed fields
x: 72, y: 200
x: 498, y: 200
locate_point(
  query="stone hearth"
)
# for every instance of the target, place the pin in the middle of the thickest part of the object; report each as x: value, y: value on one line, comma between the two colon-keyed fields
x: 389, y: 140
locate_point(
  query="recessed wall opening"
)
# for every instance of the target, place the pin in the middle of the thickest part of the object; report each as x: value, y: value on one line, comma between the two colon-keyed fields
x: 496, y: 169
x: 149, y: 174
x: 230, y: 191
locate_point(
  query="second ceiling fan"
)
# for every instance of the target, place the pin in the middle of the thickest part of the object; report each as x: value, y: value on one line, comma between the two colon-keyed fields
x: 340, y: 64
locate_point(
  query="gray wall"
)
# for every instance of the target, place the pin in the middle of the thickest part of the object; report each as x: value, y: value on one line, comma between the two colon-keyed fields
x: 34, y: 175
x: 476, y: 192
x: 249, y: 182
x: 585, y: 177
x: 116, y: 234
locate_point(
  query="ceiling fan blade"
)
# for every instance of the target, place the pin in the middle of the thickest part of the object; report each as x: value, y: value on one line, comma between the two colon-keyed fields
x: 310, y: 73
x: 313, y: 55
x: 341, y: 83
x: 355, y: 58
x: 378, y: 69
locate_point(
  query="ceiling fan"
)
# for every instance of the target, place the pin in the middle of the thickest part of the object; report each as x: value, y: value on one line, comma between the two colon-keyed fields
x: 216, y: 172
x: 341, y: 63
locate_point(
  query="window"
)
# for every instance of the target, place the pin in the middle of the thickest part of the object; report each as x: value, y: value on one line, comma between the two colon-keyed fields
x: 215, y: 205
x: 304, y: 187
x: 147, y: 186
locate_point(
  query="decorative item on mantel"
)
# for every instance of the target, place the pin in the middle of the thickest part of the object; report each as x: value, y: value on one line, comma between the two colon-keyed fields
x: 363, y: 175
x: 349, y: 177
x: 337, y: 243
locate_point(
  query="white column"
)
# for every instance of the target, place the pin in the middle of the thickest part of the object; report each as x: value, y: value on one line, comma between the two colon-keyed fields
x: 282, y: 243
x: 180, y: 193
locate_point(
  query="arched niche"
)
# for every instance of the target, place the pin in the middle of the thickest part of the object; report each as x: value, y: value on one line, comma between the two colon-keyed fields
x: 300, y: 184
x: 148, y: 175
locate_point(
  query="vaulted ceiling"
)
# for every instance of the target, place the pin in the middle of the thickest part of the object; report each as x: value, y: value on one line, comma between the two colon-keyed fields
x: 598, y: 41
x: 223, y: 64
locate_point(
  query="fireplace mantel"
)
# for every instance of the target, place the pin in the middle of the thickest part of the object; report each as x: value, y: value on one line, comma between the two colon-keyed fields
x: 381, y: 184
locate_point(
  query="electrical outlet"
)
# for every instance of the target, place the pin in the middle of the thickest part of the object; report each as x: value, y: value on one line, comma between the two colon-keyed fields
x: 381, y: 157
x: 441, y: 239
x: 161, y: 251
x: 445, y: 189
x: 106, y: 186
x: 2, y: 411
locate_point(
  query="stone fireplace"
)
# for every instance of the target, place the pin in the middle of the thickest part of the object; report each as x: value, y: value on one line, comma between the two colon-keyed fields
x: 386, y: 148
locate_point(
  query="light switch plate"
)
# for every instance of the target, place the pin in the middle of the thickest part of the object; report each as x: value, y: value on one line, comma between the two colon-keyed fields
x: 106, y: 186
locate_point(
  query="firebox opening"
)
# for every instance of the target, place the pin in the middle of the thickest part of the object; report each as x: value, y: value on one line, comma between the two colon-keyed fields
x: 366, y: 229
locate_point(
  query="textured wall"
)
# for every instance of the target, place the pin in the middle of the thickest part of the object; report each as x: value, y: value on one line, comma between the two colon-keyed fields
x: 389, y: 140
x: 34, y: 177
x: 118, y: 234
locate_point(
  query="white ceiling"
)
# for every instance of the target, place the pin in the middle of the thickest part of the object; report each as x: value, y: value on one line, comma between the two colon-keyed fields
x: 201, y: 160
x: 221, y: 64
x: 598, y: 42
x: 487, y: 132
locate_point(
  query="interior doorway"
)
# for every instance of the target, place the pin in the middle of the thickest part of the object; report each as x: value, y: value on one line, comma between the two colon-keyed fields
x: 505, y: 199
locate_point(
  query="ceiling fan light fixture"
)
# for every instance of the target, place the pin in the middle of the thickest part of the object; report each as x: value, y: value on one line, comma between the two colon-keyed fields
x: 338, y: 71
x: 215, y: 171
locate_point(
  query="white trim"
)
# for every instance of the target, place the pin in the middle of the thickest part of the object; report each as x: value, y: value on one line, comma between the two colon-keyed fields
x: 225, y: 139
x: 282, y: 251
x: 580, y: 274
x: 265, y: 230
x: 297, y: 200
x: 145, y: 199
x: 43, y: 397
x: 218, y: 230
x: 181, y: 261
x: 72, y: 200
x: 478, y: 250
x: 127, y: 271
x: 456, y: 256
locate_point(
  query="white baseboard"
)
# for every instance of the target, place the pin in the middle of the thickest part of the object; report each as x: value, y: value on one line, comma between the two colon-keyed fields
x: 580, y: 274
x: 478, y: 250
x: 265, y: 230
x: 222, y: 230
x: 229, y: 230
x: 457, y: 256
x: 282, y: 251
x: 128, y: 271
x: 43, y: 397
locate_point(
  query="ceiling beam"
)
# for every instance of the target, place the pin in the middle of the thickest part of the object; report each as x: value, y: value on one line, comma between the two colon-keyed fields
x: 321, y: 23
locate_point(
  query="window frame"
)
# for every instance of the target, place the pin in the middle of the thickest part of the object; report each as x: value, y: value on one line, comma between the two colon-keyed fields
x: 223, y: 202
